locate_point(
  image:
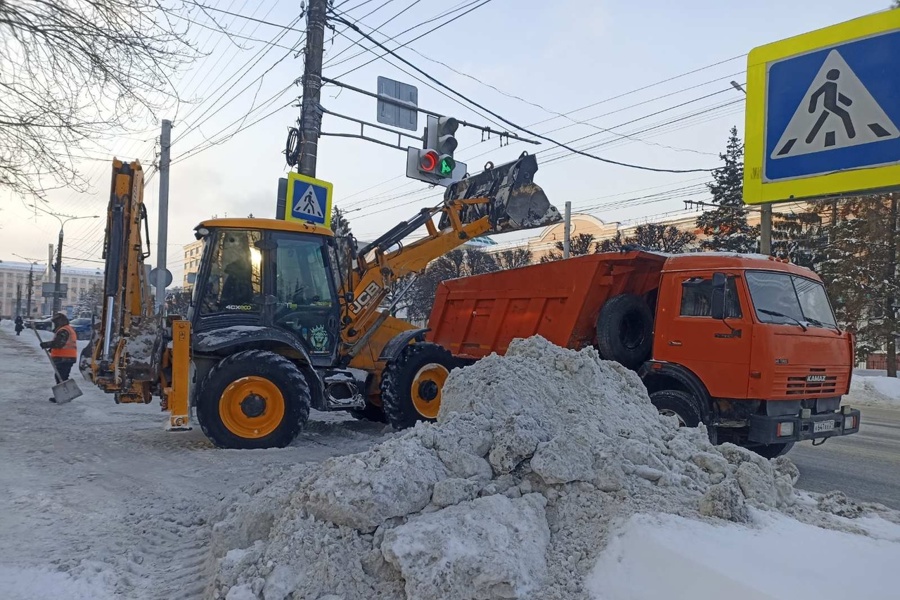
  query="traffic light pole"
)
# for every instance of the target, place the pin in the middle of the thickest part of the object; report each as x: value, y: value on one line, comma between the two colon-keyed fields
x: 57, y: 299
x: 310, y: 113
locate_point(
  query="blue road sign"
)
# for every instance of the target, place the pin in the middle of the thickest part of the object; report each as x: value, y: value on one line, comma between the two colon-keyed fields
x: 833, y: 109
x: 308, y: 200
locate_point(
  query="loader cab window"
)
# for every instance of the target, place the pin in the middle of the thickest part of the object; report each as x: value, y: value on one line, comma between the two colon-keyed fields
x: 305, y: 298
x: 696, y: 298
x: 234, y: 283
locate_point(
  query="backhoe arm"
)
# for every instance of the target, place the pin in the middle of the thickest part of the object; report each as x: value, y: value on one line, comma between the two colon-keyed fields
x: 127, y: 348
x: 498, y: 200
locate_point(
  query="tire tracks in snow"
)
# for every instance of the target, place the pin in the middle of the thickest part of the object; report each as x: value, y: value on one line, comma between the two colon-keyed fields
x: 99, y: 489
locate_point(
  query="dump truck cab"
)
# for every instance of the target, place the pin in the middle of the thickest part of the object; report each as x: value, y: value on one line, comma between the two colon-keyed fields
x: 756, y: 339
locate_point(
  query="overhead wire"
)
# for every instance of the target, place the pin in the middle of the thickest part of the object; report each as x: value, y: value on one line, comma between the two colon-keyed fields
x: 509, y: 122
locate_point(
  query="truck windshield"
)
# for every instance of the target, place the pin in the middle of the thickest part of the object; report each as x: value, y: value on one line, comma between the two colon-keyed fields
x: 786, y: 298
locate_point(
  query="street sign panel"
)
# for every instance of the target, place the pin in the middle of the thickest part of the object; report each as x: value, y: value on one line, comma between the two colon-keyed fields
x: 48, y: 290
x: 402, y: 112
x: 308, y: 200
x: 823, y: 112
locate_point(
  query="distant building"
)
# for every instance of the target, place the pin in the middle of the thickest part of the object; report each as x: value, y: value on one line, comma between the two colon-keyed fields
x: 14, y: 281
x: 192, y: 253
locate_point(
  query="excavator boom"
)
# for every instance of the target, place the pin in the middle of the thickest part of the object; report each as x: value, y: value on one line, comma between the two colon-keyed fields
x: 127, y: 348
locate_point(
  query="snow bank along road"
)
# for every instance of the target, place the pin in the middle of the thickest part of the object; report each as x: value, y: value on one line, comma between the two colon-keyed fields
x: 97, y: 492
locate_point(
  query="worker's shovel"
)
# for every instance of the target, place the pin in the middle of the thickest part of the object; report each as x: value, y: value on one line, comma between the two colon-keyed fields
x: 63, y: 392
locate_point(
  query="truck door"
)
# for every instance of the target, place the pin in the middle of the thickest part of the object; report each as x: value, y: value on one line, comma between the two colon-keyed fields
x: 716, y: 350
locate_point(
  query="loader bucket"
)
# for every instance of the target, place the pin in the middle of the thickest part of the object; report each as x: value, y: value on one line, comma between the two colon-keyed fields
x: 516, y: 202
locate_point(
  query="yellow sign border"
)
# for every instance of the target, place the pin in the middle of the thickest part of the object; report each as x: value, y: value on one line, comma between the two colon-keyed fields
x: 756, y: 191
x: 294, y: 177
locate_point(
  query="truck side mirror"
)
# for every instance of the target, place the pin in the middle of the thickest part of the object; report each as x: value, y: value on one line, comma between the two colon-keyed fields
x: 719, y: 291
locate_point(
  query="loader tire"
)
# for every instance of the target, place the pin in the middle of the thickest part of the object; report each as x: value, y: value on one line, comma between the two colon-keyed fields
x: 412, y: 384
x: 253, y: 399
x: 625, y: 330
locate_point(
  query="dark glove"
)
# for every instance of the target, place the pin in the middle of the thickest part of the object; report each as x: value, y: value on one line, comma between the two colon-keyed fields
x: 45, y: 345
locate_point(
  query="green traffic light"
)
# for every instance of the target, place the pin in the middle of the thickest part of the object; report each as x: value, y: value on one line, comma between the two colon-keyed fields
x: 447, y: 165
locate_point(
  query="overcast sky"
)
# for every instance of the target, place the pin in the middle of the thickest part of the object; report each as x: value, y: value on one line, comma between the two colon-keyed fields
x: 562, y: 55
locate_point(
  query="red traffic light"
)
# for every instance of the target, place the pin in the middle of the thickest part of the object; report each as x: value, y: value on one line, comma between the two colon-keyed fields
x: 428, y: 161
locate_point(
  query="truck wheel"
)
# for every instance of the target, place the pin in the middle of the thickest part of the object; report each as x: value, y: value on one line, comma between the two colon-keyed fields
x: 412, y: 384
x: 772, y: 450
x: 625, y: 330
x: 678, y: 404
x: 253, y: 399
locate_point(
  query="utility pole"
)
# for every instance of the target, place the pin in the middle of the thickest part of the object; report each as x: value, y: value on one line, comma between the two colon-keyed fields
x: 57, y: 299
x: 63, y: 219
x: 30, y: 289
x: 890, y: 311
x: 18, y: 299
x: 567, y: 236
x: 165, y: 144
x: 765, y: 230
x: 31, y: 263
x: 310, y: 113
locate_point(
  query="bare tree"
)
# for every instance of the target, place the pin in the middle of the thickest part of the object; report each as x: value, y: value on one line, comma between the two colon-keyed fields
x: 78, y: 71
x: 652, y: 236
x: 581, y: 244
x: 461, y: 262
x: 513, y: 259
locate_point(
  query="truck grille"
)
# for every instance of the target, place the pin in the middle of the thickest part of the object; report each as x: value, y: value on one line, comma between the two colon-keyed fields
x: 809, y: 382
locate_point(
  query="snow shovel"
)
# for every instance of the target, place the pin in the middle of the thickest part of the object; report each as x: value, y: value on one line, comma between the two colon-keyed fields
x: 63, y: 392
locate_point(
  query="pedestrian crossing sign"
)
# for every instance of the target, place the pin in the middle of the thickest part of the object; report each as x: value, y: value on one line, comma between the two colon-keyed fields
x: 308, y: 200
x: 823, y: 112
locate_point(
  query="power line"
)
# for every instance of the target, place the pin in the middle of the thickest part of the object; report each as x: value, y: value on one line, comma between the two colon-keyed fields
x: 512, y: 124
x: 432, y: 30
x: 238, y: 15
x: 377, y: 28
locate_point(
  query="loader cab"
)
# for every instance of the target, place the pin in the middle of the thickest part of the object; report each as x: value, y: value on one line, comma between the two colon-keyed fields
x: 261, y: 274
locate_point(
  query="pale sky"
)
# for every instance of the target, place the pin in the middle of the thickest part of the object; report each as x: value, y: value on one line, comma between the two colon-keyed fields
x: 562, y: 55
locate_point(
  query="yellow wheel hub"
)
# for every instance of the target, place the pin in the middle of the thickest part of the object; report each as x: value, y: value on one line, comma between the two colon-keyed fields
x: 426, y: 389
x: 251, y: 407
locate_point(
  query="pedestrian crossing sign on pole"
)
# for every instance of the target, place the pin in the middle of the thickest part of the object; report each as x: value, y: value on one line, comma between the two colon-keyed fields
x: 823, y: 112
x: 308, y: 200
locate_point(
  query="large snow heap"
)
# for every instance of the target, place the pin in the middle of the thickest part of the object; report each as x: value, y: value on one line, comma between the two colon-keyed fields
x: 511, y: 493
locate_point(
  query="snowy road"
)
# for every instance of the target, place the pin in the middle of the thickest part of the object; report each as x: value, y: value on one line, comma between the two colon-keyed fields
x: 865, y: 466
x: 100, y: 502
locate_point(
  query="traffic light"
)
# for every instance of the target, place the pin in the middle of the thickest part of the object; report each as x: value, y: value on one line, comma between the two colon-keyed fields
x: 435, y: 163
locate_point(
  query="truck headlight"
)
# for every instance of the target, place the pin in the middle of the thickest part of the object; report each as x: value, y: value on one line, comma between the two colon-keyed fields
x: 785, y: 429
x: 850, y: 422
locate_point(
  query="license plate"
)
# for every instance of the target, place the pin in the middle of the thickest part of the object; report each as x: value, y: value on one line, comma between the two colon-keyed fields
x: 821, y: 426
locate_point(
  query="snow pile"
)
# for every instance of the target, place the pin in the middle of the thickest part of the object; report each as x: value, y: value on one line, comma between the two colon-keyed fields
x: 512, y: 494
x: 874, y: 391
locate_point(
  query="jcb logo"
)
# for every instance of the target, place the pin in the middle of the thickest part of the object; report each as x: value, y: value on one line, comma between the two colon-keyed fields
x: 365, y: 298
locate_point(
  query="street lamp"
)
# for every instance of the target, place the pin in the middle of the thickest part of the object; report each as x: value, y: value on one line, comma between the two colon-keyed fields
x: 63, y: 219
x: 30, y: 281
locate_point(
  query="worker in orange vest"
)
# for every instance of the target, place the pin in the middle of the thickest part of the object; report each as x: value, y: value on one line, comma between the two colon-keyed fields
x: 63, y: 347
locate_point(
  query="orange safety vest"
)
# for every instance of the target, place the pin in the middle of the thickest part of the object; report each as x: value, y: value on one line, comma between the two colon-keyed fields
x: 70, y: 350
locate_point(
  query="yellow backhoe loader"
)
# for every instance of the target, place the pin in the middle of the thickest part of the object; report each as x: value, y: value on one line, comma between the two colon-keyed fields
x: 285, y: 317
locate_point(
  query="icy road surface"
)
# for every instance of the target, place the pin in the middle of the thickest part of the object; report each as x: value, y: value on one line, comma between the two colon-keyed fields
x: 98, y: 501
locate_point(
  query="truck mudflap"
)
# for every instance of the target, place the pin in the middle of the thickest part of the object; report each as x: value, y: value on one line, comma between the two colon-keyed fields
x: 765, y: 429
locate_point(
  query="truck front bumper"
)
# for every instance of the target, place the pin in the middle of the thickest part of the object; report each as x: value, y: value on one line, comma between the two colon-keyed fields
x: 766, y: 429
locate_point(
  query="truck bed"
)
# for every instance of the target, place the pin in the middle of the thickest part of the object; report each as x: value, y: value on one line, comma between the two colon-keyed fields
x: 475, y: 316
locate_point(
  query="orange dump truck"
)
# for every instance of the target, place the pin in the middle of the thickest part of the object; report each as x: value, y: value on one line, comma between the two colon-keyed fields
x: 746, y: 344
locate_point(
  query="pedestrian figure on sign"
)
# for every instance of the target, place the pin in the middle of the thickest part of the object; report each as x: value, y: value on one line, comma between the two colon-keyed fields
x: 20, y: 325
x: 63, y: 347
x: 310, y: 206
x: 831, y: 97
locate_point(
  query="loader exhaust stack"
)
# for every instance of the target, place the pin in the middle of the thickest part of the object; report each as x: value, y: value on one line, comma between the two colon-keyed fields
x: 515, y: 201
